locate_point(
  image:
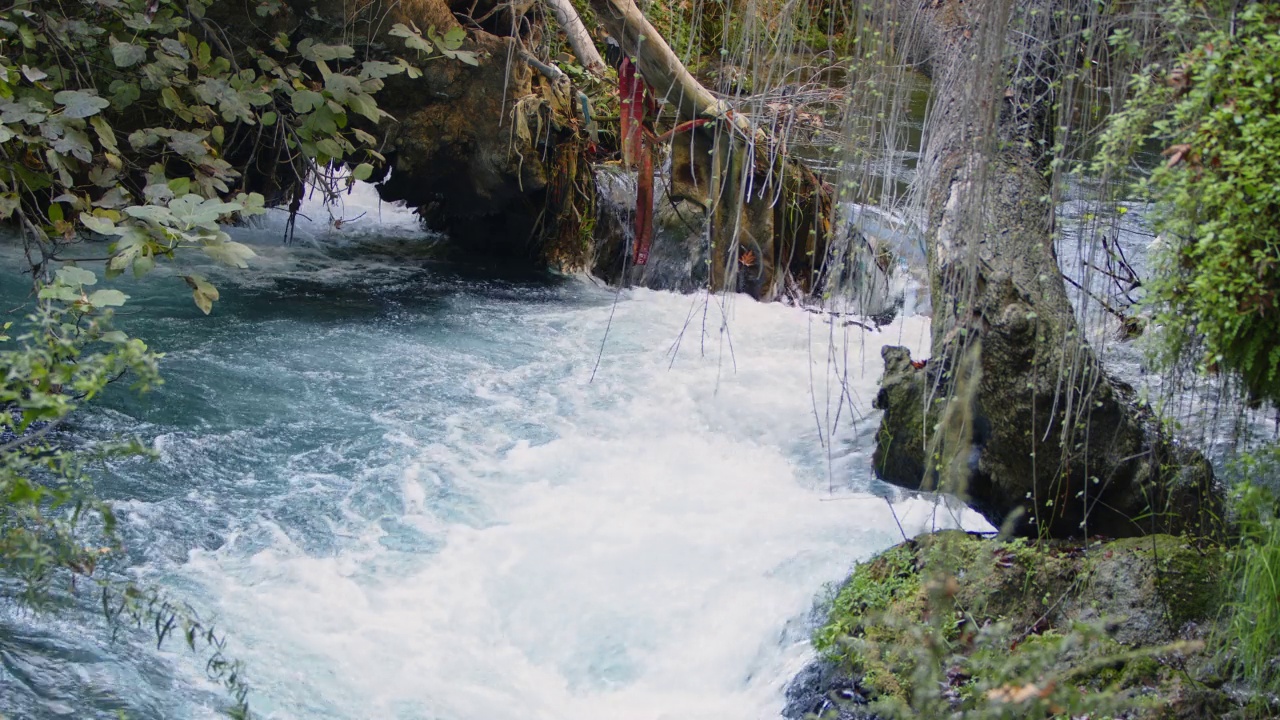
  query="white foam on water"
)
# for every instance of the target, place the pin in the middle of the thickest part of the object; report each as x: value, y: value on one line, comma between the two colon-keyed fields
x: 650, y: 552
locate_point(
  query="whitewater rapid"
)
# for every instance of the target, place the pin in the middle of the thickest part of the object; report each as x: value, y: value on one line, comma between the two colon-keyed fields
x: 421, y: 493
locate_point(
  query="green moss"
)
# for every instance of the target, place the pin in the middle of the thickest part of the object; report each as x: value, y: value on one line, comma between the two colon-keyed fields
x: 872, y: 588
x: 1187, y: 575
x: 995, y: 615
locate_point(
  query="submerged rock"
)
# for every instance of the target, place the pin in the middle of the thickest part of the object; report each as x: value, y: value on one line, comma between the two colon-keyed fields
x: 823, y: 690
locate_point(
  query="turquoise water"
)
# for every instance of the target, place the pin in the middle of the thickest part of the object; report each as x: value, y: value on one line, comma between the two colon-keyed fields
x: 399, y: 491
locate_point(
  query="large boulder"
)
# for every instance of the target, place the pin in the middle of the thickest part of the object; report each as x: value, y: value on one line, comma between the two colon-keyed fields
x: 1127, y: 619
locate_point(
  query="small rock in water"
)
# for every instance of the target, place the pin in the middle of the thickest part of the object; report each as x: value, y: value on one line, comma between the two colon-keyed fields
x: 823, y: 690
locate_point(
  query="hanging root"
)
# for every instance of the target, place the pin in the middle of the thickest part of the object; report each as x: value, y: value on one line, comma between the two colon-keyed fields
x: 569, y: 216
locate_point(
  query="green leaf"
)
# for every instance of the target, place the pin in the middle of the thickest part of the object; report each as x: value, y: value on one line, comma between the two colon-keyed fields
x: 75, y: 143
x: 59, y: 291
x: 143, y: 265
x: 365, y: 105
x: 319, y: 52
x: 466, y: 56
x: 229, y: 252
x: 453, y: 37
x: 412, y: 38
x: 100, y: 225
x: 124, y: 94
x: 268, y: 118
x: 107, y: 298
x: 377, y: 70
x: 126, y: 54
x: 329, y: 148
x: 80, y: 103
x: 106, y: 136
x: 362, y: 172
x: 304, y: 101
x: 8, y: 205
x: 33, y: 75
x: 341, y: 87
x: 73, y: 276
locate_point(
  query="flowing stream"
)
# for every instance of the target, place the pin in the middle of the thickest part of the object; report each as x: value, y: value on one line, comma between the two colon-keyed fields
x: 402, y: 494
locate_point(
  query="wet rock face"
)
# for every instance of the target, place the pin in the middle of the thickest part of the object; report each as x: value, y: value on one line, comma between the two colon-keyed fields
x: 973, y: 445
x: 679, y: 252
x: 824, y: 691
x: 450, y: 149
x: 454, y: 157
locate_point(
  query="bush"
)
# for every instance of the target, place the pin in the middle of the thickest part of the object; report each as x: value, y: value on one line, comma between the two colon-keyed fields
x: 1216, y: 114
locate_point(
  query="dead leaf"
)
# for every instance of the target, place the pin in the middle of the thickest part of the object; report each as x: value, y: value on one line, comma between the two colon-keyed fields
x: 1175, y: 153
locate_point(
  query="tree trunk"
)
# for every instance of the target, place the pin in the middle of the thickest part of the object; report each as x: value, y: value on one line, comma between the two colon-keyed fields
x: 1032, y: 432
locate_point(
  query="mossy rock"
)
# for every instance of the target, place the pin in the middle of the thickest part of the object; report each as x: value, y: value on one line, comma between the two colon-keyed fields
x: 1142, y: 594
x: 1153, y: 587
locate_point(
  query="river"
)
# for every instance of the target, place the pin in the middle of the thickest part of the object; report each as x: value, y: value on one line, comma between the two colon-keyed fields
x: 414, y: 491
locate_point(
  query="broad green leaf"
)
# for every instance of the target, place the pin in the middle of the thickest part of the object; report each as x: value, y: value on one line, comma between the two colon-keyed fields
x: 362, y: 171
x: 126, y: 54
x: 252, y: 203
x: 304, y: 101
x: 124, y: 94
x: 151, y: 213
x: 453, y: 37
x: 107, y: 298
x: 341, y: 86
x: 74, y: 143
x: 175, y: 48
x: 229, y: 252
x: 26, y: 110
x: 80, y: 103
x: 100, y: 225
x: 377, y: 70
x: 319, y: 52
x: 191, y: 210
x: 75, y: 276
x: 467, y: 57
x: 8, y: 205
x: 143, y: 265
x: 34, y: 75
x: 141, y: 139
x: 329, y: 148
x: 59, y: 291
x: 268, y: 118
x: 365, y: 105
x: 412, y: 38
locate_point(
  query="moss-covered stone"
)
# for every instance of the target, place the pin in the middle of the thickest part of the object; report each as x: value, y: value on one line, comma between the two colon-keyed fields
x: 1153, y: 600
